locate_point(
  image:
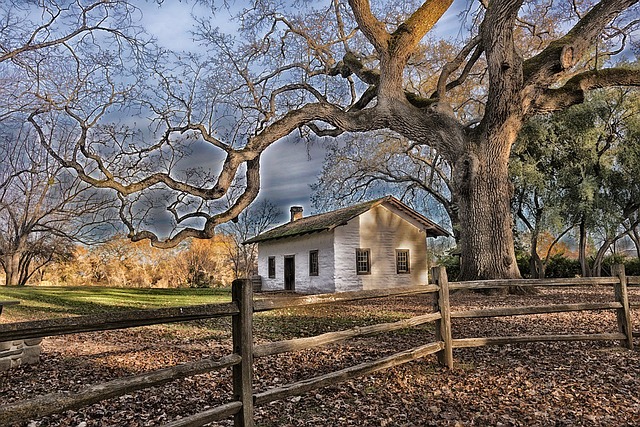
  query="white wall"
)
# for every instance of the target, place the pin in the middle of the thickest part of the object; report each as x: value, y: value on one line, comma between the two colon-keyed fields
x: 300, y: 247
x: 382, y: 232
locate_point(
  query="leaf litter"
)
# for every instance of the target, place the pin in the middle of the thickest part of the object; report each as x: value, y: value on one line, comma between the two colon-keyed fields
x: 538, y: 384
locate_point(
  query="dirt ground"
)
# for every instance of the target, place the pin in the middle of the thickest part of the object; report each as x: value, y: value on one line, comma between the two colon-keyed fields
x: 538, y: 384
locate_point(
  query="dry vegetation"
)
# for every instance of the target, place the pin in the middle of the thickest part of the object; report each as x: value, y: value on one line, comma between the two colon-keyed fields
x: 560, y: 384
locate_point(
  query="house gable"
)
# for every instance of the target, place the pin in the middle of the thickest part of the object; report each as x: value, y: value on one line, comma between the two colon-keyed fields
x: 382, y: 231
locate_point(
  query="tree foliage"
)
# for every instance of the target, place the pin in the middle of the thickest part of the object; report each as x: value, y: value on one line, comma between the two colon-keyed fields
x: 583, y: 177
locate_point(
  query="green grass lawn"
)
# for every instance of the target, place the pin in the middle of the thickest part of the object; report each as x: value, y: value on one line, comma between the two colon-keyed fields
x: 41, y: 302
x: 46, y: 302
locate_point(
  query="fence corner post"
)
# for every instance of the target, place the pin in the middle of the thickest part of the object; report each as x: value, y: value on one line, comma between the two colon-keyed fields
x: 242, y: 323
x: 443, y: 326
x: 623, y: 314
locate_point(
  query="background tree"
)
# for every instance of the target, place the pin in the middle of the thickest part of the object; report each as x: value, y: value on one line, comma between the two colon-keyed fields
x: 633, y: 231
x: 43, y: 208
x: 536, y: 165
x: 337, y: 69
x: 371, y: 166
x: 253, y: 221
x: 205, y: 263
x: 117, y: 262
x: 583, y: 176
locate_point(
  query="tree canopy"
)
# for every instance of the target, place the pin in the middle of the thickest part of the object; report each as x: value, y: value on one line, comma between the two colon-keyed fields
x: 582, y: 176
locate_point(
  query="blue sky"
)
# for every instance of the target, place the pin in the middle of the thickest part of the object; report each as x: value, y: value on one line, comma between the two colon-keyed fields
x: 288, y: 168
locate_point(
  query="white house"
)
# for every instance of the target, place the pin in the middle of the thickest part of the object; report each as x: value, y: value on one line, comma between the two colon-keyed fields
x: 377, y: 244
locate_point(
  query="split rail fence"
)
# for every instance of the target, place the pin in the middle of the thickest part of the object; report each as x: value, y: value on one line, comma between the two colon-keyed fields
x: 242, y: 308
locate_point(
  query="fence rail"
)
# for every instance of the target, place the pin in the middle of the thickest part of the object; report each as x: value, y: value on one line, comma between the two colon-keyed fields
x: 115, y: 320
x: 242, y: 308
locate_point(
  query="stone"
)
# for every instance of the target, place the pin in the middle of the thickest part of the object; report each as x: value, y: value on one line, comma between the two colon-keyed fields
x: 31, y: 355
x: 6, y: 345
x: 32, y: 341
x: 5, y: 364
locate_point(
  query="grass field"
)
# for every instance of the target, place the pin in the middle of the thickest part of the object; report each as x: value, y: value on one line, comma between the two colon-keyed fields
x: 41, y: 302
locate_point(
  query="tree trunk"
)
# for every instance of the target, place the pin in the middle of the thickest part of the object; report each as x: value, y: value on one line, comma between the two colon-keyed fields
x: 484, y: 193
x: 481, y: 176
x: 596, y: 270
x: 12, y: 269
x: 582, y: 250
x: 635, y: 238
x: 535, y: 263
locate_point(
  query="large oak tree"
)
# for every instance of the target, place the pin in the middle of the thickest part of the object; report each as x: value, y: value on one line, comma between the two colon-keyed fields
x: 348, y: 68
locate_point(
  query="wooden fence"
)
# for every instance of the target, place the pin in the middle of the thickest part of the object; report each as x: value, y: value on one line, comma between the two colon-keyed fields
x: 241, y: 310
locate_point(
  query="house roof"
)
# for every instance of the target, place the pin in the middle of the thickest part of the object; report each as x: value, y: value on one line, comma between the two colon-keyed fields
x: 330, y: 220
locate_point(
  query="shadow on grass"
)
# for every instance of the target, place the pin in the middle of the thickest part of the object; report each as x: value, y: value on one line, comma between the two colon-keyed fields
x: 287, y: 324
x: 43, y: 302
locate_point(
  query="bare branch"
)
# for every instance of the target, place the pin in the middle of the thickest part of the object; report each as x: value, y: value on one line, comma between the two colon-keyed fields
x: 452, y: 66
x: 574, y: 90
x: 562, y: 54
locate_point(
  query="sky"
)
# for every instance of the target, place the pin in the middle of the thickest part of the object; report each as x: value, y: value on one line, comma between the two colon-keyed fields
x: 287, y: 186
x: 288, y: 168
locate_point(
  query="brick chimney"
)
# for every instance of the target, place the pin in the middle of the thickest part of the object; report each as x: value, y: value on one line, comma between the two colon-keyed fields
x: 296, y: 213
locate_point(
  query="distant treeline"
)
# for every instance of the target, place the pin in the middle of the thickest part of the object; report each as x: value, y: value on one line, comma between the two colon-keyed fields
x: 558, y: 265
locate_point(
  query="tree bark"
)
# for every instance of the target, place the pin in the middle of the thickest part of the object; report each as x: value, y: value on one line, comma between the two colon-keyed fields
x: 484, y: 193
x: 12, y: 269
x: 582, y: 250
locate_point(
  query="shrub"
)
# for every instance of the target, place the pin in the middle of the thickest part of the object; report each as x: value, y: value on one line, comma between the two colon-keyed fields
x: 632, y: 266
x: 452, y: 264
x: 523, y: 258
x: 561, y: 266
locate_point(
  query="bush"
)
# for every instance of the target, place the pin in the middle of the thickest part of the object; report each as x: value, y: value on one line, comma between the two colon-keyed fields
x: 561, y: 266
x: 523, y: 258
x: 558, y: 266
x: 631, y: 265
x: 452, y: 264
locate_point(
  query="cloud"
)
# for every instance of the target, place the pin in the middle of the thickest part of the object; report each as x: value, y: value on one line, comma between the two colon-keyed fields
x: 288, y: 170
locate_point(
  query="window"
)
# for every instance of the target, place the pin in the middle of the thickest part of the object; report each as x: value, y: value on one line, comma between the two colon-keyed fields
x: 272, y: 267
x: 313, y: 263
x: 363, y: 261
x: 402, y: 261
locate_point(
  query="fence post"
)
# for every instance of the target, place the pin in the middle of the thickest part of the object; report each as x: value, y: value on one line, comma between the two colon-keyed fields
x: 242, y: 323
x: 623, y: 314
x: 443, y: 326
